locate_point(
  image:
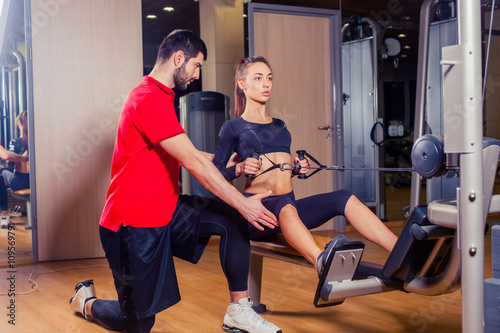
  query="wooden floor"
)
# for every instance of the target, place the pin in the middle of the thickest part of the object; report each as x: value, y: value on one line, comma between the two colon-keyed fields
x: 288, y: 292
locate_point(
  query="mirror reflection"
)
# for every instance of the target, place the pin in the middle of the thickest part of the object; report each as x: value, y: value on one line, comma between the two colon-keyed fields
x: 14, y: 160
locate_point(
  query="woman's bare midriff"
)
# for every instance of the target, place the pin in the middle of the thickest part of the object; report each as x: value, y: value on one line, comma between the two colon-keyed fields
x: 279, y: 182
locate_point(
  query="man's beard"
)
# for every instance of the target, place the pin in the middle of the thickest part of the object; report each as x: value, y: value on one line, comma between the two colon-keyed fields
x: 181, y: 79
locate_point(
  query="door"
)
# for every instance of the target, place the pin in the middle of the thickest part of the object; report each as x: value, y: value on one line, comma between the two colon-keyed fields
x: 303, y: 48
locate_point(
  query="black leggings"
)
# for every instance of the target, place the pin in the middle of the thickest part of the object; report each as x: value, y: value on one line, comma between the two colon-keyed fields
x: 234, y: 251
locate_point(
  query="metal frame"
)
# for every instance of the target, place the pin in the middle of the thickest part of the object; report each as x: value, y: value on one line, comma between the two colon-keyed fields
x: 372, y: 197
x: 462, y: 118
x: 465, y: 59
x: 442, y: 33
x: 205, y: 126
x: 31, y: 127
x: 463, y: 137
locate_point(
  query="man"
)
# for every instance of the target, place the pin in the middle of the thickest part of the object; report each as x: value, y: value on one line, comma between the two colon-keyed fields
x: 145, y: 222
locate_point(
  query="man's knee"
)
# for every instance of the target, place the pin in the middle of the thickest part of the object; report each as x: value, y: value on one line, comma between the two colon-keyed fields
x: 146, y: 325
x: 142, y: 326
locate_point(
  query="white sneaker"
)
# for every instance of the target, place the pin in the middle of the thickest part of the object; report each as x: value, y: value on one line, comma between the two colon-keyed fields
x: 5, y: 220
x: 85, y: 291
x: 240, y: 317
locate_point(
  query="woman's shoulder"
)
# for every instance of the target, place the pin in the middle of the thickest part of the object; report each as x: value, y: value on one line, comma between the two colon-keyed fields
x: 234, y: 124
x: 230, y: 127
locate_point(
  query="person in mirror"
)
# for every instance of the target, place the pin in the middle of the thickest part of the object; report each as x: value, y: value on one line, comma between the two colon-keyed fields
x: 16, y: 176
x: 146, y: 222
x: 253, y: 129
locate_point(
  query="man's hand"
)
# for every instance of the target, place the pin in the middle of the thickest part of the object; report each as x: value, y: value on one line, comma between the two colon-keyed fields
x: 255, y: 213
x: 205, y: 172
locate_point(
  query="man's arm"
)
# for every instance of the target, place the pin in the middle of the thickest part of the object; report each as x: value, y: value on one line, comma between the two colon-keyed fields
x: 208, y: 155
x: 13, y: 157
x: 198, y: 165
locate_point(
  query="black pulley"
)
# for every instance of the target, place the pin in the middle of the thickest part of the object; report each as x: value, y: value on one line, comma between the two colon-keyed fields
x: 428, y: 157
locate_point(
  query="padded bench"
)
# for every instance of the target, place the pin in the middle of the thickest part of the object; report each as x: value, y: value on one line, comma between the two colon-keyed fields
x: 275, y: 247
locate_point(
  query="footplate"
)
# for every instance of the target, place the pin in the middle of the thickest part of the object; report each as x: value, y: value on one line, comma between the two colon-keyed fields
x: 340, y: 267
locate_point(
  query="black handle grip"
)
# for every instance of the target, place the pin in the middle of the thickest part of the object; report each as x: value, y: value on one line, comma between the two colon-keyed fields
x: 301, y: 156
x: 255, y: 155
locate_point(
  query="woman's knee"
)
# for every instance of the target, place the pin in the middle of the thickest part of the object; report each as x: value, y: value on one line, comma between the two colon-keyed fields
x: 287, y: 212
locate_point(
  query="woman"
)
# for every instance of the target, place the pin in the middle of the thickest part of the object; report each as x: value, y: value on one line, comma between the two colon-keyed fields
x: 18, y: 178
x: 253, y: 129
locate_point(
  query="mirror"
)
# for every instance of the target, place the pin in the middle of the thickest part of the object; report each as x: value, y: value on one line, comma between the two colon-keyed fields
x: 14, y: 171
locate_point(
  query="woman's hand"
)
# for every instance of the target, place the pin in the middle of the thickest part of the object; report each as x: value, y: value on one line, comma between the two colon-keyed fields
x: 250, y: 166
x: 304, y: 164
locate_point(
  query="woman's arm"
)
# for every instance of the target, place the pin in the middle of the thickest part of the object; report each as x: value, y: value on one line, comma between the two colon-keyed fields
x: 224, y: 153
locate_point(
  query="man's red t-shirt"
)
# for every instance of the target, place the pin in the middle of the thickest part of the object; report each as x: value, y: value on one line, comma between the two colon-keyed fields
x: 144, y: 178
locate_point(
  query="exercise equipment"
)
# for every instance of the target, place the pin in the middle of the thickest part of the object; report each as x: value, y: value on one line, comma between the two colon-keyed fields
x: 442, y: 243
x: 318, y: 167
x: 426, y: 257
x: 201, y: 115
x: 256, y: 155
x: 363, y: 112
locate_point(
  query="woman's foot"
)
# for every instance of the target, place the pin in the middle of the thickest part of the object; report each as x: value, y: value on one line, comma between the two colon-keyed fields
x: 323, y: 257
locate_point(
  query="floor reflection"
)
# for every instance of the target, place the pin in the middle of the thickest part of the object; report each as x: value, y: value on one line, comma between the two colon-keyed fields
x: 16, y: 245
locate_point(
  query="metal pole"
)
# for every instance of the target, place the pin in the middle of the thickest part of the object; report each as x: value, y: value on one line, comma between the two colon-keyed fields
x: 470, y: 196
x: 426, y: 13
x: 379, y: 190
x: 21, y: 78
x: 5, y: 101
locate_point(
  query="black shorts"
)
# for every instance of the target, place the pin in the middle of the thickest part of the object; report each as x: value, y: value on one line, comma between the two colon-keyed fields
x: 141, y: 259
x: 313, y: 211
x: 275, y: 203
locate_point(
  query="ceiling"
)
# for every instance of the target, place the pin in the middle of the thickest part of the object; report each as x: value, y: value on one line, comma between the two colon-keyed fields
x: 395, y: 17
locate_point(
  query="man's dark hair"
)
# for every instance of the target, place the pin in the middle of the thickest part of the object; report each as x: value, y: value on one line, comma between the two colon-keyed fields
x: 181, y: 40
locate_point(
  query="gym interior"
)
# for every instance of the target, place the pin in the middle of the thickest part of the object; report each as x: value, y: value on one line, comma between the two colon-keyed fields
x: 395, y: 100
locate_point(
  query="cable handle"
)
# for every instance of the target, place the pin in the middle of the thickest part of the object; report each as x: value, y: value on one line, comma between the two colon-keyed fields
x: 256, y: 155
x: 297, y: 167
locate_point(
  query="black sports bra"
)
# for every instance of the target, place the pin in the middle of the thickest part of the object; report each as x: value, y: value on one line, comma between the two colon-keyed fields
x: 243, y: 137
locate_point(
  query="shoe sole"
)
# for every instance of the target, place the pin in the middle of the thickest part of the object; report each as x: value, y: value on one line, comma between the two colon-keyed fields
x: 226, y: 328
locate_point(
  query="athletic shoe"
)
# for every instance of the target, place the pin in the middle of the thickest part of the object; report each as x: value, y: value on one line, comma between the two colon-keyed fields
x: 323, y: 256
x: 240, y: 317
x: 85, y: 291
x: 5, y: 220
